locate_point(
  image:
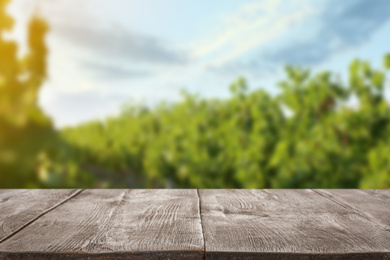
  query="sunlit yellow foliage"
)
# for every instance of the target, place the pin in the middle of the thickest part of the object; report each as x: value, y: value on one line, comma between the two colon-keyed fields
x: 24, y: 129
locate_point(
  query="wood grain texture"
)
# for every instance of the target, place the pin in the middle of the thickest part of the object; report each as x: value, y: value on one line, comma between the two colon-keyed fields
x: 371, y: 204
x: 295, y: 256
x: 132, y: 224
x: 19, y: 207
x: 286, y: 224
x: 5, y: 194
x: 153, y: 255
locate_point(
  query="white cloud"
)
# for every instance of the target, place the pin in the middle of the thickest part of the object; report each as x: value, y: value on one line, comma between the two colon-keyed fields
x: 256, y: 40
x: 252, y: 26
x: 246, y: 18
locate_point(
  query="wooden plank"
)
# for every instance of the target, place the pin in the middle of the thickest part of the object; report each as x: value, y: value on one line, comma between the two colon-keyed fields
x: 280, y: 224
x: 19, y: 207
x: 153, y: 255
x: 8, y: 193
x: 131, y: 224
x: 371, y: 204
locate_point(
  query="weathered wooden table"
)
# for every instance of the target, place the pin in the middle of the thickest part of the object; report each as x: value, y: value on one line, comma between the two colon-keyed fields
x: 195, y: 224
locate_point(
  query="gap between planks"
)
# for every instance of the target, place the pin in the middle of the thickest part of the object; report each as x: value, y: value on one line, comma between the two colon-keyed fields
x: 40, y: 215
x: 201, y: 224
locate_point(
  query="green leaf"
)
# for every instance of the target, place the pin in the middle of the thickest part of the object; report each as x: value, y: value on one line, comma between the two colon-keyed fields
x: 386, y: 61
x: 378, y: 79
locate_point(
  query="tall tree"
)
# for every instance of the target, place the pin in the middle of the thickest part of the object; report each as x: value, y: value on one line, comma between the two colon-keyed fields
x: 24, y: 128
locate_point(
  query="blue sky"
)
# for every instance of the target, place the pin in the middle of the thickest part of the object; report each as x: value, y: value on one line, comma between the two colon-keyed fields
x: 105, y: 53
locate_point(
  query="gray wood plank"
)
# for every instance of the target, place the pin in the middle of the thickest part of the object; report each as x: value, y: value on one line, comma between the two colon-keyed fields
x: 371, y: 204
x: 132, y: 224
x: 20, y: 207
x: 7, y: 193
x: 281, y: 224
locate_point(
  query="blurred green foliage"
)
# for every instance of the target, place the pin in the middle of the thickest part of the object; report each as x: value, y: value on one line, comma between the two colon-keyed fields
x: 308, y: 136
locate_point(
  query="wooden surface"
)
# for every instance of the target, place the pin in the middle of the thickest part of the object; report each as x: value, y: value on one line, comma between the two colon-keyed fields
x: 195, y: 224
x: 19, y: 207
x: 106, y: 221
x: 287, y: 221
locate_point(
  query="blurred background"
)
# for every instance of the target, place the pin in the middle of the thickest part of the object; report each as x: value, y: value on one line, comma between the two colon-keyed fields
x: 189, y: 94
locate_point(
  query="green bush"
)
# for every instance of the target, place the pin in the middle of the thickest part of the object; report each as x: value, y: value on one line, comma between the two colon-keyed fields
x: 307, y: 136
